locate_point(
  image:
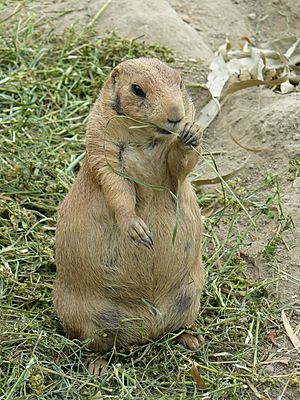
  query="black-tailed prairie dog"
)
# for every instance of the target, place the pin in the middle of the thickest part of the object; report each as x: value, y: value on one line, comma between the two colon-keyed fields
x: 120, y: 278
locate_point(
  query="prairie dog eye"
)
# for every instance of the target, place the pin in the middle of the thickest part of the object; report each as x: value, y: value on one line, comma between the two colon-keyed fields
x: 181, y: 84
x: 138, y: 91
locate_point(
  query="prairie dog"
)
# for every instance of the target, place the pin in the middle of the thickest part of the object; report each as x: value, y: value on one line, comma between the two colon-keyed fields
x: 120, y: 279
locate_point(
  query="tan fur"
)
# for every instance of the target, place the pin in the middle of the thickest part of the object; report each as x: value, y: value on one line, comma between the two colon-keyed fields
x: 113, y: 285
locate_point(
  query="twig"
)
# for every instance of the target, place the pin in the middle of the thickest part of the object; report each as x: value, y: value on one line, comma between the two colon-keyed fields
x: 97, y: 15
x: 50, y: 371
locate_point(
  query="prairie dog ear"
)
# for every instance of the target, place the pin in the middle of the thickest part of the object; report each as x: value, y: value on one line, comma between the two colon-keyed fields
x: 116, y: 71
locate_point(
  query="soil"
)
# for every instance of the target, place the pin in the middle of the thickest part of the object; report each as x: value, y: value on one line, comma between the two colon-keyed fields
x: 256, y: 117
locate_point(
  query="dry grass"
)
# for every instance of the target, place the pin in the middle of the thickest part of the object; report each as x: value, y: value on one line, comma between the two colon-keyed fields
x: 47, y: 86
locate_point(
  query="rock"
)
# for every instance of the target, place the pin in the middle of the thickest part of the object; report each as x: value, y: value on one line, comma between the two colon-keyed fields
x: 252, y: 16
x: 186, y: 19
x: 269, y: 369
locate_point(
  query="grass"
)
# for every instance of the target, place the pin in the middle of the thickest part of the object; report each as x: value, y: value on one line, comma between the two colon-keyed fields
x: 47, y: 86
x: 294, y: 168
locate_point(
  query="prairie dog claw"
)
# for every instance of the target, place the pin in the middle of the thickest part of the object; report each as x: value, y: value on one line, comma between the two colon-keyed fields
x: 191, y: 134
x: 139, y: 232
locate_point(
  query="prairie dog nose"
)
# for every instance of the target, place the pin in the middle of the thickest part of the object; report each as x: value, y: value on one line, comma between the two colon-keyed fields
x: 175, y: 113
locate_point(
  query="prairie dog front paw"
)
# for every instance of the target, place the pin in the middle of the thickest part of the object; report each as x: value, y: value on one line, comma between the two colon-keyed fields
x: 139, y: 232
x: 190, y: 135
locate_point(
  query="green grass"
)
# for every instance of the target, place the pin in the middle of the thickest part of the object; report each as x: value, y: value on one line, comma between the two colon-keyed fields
x: 47, y: 86
x: 294, y: 168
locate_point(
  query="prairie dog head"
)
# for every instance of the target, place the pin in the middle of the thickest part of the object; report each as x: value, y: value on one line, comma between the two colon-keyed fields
x: 149, y: 91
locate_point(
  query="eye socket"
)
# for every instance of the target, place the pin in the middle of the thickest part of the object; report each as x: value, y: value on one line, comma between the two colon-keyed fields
x: 138, y: 91
x: 181, y: 84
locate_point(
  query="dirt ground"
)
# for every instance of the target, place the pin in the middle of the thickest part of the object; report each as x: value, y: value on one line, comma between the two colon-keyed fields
x: 257, y: 117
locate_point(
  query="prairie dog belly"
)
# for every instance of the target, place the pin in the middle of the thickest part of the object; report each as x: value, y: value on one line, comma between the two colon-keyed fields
x: 121, y: 262
x: 160, y: 287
